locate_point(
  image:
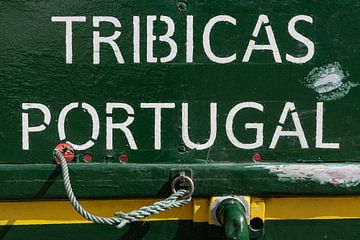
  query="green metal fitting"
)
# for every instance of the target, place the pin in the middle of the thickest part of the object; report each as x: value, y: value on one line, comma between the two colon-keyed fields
x: 232, y: 216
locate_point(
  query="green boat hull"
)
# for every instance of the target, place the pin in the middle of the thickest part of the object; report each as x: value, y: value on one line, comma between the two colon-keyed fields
x: 248, y: 98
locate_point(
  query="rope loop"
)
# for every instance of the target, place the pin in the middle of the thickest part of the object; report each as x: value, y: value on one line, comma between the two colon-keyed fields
x: 177, y: 199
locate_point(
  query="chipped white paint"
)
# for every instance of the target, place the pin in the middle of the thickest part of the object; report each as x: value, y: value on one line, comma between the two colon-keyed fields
x: 336, y: 174
x: 329, y: 82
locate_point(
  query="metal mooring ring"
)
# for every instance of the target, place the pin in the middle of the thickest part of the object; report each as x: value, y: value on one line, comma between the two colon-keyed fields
x: 185, y: 182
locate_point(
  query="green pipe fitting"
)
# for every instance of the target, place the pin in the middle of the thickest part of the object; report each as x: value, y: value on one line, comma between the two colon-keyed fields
x: 232, y: 215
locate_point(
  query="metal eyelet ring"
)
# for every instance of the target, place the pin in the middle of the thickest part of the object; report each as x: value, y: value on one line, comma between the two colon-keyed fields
x: 185, y: 182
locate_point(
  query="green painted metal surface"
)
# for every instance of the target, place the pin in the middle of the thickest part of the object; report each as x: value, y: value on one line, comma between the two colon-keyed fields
x: 121, y: 180
x: 299, y: 92
x: 34, y: 70
x: 312, y: 230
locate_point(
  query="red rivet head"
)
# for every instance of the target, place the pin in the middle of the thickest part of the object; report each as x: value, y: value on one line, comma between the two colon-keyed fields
x: 67, y: 151
x: 88, y: 157
x: 257, y: 157
x: 124, y: 158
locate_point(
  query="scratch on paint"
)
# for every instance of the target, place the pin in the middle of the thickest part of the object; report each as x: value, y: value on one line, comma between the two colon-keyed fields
x: 336, y: 174
x: 329, y: 82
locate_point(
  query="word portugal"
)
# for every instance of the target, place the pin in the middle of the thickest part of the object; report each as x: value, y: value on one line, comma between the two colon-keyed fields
x: 124, y: 127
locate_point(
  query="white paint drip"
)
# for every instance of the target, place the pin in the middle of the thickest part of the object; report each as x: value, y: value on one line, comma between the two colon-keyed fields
x: 335, y: 174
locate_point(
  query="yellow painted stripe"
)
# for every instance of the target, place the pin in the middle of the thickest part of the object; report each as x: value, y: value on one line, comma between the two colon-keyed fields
x: 61, y: 212
x: 312, y: 208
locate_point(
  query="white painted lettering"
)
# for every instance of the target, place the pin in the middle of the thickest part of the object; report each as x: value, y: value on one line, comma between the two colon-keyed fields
x: 185, y: 128
x: 109, y: 40
x: 95, y: 124
x: 320, y: 128
x: 26, y: 129
x: 189, y: 38
x: 136, y: 39
x: 297, y: 36
x: 110, y: 125
x: 68, y: 33
x: 206, y: 39
x: 258, y: 126
x: 289, y: 107
x: 272, y: 46
x: 167, y: 38
x: 150, y: 38
x: 157, y: 126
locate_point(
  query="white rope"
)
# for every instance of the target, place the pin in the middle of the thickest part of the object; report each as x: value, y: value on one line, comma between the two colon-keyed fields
x: 175, y: 200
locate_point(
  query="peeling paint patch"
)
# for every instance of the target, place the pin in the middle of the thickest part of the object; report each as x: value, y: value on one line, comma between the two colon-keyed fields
x: 329, y: 81
x: 337, y: 174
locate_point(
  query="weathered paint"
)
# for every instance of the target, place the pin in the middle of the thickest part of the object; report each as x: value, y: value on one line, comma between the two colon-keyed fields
x: 61, y: 212
x: 336, y: 174
x: 212, y: 59
x: 329, y: 82
x: 128, y: 180
x: 274, y: 48
x: 199, y: 210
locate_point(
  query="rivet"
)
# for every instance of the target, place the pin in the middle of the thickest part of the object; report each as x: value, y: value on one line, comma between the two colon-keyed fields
x: 182, y: 6
x: 124, y: 158
x: 88, y: 157
x: 257, y: 157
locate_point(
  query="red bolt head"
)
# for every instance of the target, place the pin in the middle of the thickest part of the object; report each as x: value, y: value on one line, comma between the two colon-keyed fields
x: 257, y: 157
x: 124, y: 158
x: 88, y: 157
